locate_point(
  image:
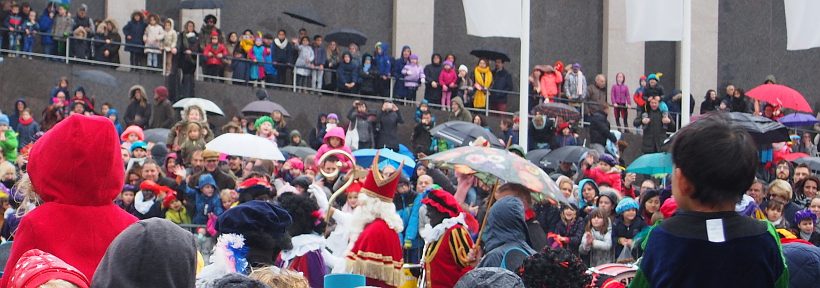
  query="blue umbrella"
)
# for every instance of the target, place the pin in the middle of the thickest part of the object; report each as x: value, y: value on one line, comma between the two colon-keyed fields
x: 386, y: 156
x: 798, y: 120
x: 406, y: 151
x: 651, y: 164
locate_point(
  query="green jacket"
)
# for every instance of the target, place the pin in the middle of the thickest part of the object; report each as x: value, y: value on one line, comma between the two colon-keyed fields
x: 10, y: 146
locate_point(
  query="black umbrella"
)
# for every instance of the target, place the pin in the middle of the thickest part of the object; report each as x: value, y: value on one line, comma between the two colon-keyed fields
x: 156, y: 135
x: 345, y: 36
x: 263, y: 107
x: 764, y: 130
x: 97, y: 76
x: 547, y: 158
x: 306, y: 14
x: 554, y: 109
x: 461, y: 133
x: 201, y: 4
x: 490, y: 54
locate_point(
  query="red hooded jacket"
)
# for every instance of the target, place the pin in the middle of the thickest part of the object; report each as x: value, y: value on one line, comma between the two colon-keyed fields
x: 77, y: 170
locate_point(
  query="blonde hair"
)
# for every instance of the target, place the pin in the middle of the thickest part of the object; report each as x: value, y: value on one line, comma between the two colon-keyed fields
x: 780, y: 188
x: 58, y: 283
x: 276, y: 277
x: 6, y: 167
x: 225, y: 194
x: 30, y: 197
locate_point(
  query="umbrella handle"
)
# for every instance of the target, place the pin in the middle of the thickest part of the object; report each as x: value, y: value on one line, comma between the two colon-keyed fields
x: 490, y: 203
x: 334, y: 174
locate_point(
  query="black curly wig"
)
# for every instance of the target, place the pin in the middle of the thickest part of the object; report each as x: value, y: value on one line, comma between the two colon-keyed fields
x: 301, y: 209
x: 554, y: 268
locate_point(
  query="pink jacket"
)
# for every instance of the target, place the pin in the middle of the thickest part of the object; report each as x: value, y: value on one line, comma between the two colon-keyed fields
x: 549, y: 84
x: 335, y: 132
x: 448, y: 78
x: 611, y: 177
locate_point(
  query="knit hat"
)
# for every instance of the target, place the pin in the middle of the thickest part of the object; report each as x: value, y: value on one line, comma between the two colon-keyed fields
x: 333, y: 116
x: 4, y: 119
x: 576, y: 66
x: 210, y: 155
x: 803, y: 215
x: 562, y: 126
x: 36, y: 268
x: 448, y: 63
x: 489, y: 277
x: 376, y: 185
x: 626, y: 204
x: 296, y: 163
x: 236, y: 280
x: 261, y: 94
x: 132, y: 129
x: 255, y: 216
x: 302, y: 181
x: 169, y: 198
x: 464, y: 68
x: 608, y: 159
x: 653, y: 76
x: 139, y: 145
x: 443, y: 202
x: 161, y: 92
x: 414, y: 57
x: 669, y: 207
x: 262, y: 120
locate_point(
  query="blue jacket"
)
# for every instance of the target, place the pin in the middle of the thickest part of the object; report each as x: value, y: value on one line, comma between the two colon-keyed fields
x: 319, y: 56
x: 45, y: 23
x: 269, y: 68
x: 803, y: 261
x: 204, y: 204
x: 410, y: 218
x: 135, y: 30
x: 241, y: 69
x: 348, y: 72
x: 383, y: 61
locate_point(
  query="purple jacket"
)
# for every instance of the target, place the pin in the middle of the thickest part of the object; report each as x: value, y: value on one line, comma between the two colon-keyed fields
x: 620, y: 94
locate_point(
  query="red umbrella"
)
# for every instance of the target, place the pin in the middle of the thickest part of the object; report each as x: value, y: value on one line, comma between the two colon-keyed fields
x: 794, y: 156
x: 782, y: 95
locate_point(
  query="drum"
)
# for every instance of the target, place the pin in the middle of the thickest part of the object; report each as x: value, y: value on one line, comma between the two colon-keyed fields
x: 619, y: 272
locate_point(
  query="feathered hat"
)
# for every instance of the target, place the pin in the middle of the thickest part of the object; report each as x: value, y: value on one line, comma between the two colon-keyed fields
x: 376, y: 185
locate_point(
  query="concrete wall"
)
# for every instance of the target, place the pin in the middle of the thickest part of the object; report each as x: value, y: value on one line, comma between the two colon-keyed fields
x: 753, y: 45
x: 560, y: 30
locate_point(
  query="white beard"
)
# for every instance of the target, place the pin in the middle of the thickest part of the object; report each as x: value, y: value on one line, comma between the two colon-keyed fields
x: 368, y: 210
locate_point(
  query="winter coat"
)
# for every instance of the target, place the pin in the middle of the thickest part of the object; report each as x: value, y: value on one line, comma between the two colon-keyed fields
x: 257, y: 56
x: 397, y: 66
x: 113, y: 48
x: 655, y: 132
x: 153, y: 37
x: 46, y: 24
x: 422, y: 139
x: 284, y: 55
x: 432, y: 71
x: 137, y: 114
x: 337, y: 132
x: 413, y: 75
x: 204, y: 204
x: 150, y: 253
x: 463, y: 114
x: 170, y: 39
x: 135, y: 30
x: 80, y: 48
x: 620, y: 95
x: 10, y: 146
x: 365, y: 127
x: 502, y: 81
x: 187, y: 62
x: 368, y: 77
x: 304, y: 60
x: 162, y: 115
x: 600, y: 252
x: 803, y: 262
x: 550, y: 83
x: 505, y: 232
x: 62, y: 27
x: 483, y: 78
x: 709, y: 105
x: 388, y: 129
x: 613, y: 177
x: 574, y: 231
x: 599, y: 129
x: 596, y: 99
x: 14, y: 118
x: 410, y: 217
x: 319, y: 56
x: 241, y: 69
x: 541, y: 138
x: 78, y: 212
x: 347, y: 73
x: 650, y: 91
x: 212, y: 53
x: 448, y: 79
x: 25, y: 133
x: 383, y: 62
x: 621, y: 230
x: 573, y: 82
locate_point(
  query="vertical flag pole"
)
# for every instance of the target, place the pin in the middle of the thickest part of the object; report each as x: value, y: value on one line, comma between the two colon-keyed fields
x: 686, y: 62
x: 523, y: 78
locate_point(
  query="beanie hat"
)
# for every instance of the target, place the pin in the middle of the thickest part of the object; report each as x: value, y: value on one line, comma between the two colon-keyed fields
x: 161, y: 92
x: 576, y: 66
x: 333, y: 116
x: 669, y: 207
x: 255, y: 216
x: 296, y: 163
x: 261, y: 94
x: 169, y: 198
x: 139, y: 145
x: 4, y: 119
x: 626, y: 204
x: 414, y: 57
x: 653, y: 76
x: 38, y: 268
x: 562, y: 126
x: 608, y: 159
x: 302, y: 181
x: 803, y: 215
x: 463, y: 68
x: 132, y: 129
x: 236, y: 280
x: 262, y: 120
x: 448, y: 63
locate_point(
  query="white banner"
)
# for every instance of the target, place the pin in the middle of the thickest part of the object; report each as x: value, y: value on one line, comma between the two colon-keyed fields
x: 802, y: 24
x: 493, y: 18
x: 654, y: 20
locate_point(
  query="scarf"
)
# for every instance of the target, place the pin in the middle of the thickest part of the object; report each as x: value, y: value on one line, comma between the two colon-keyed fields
x: 366, y: 68
x: 142, y: 206
x: 580, y: 84
x: 483, y: 76
x: 433, y: 234
x: 24, y: 121
x: 280, y: 44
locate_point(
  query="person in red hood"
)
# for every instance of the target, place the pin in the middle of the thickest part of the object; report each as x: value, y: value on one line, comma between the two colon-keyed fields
x: 40, y: 268
x: 77, y: 219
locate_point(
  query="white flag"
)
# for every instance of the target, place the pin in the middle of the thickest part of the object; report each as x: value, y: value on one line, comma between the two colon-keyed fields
x: 654, y: 20
x: 802, y: 24
x: 493, y: 18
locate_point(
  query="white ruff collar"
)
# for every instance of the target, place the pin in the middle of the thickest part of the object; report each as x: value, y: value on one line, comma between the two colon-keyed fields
x: 432, y: 234
x: 303, y: 244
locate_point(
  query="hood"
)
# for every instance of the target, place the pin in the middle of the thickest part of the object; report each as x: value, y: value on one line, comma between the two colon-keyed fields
x: 459, y: 102
x: 385, y: 48
x: 139, y: 257
x: 113, y: 111
x: 79, y: 33
x: 335, y: 132
x: 14, y: 108
x: 86, y: 144
x: 803, y: 262
x: 319, y: 124
x: 169, y: 19
x: 207, y: 179
x: 135, y: 88
x: 81, y: 90
x: 485, y: 277
x: 434, y: 57
x: 505, y: 224
x: 581, y: 202
x: 295, y: 132
x: 42, y: 267
x: 113, y: 23
x: 202, y: 113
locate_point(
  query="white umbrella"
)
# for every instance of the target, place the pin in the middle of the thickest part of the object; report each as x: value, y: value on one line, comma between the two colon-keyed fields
x: 246, y: 145
x: 205, y: 104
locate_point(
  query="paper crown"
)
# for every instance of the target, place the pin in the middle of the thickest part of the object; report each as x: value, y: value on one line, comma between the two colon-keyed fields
x: 376, y: 185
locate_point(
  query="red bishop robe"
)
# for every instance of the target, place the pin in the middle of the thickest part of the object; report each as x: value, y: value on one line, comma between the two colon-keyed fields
x: 445, y: 260
x: 377, y: 255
